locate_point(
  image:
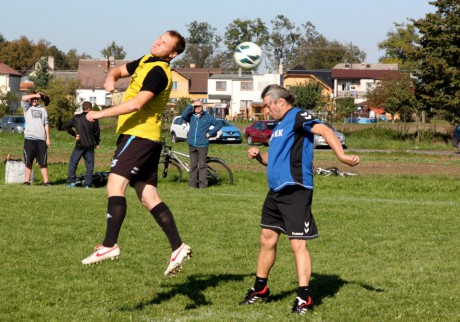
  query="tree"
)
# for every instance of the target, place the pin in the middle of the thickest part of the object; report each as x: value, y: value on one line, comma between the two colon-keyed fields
x: 239, y: 31
x: 113, y: 50
x: 398, y: 45
x: 438, y: 55
x: 345, y: 106
x: 315, y: 51
x: 42, y: 76
x: 181, y: 104
x: 395, y: 94
x: 282, y: 41
x: 63, y: 101
x: 309, y: 96
x: 202, y: 45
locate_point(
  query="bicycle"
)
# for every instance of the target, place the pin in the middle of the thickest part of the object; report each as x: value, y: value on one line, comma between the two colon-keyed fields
x: 330, y: 171
x: 171, y: 166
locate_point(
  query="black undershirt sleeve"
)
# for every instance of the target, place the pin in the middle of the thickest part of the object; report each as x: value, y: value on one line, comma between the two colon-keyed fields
x: 155, y: 81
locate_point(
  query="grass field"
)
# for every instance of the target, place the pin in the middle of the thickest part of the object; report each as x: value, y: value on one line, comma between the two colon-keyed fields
x: 388, y: 248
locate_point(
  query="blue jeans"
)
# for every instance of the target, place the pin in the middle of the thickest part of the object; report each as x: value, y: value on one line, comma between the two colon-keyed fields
x: 88, y: 156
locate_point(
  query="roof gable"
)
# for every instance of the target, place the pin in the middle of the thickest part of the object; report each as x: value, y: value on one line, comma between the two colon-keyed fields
x: 93, y: 72
x: 198, y: 77
x: 7, y: 70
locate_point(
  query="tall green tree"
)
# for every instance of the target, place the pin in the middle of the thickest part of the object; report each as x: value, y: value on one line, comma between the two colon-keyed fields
x: 63, y: 101
x: 310, y: 96
x: 395, y: 94
x: 113, y: 50
x: 398, y: 46
x: 438, y: 59
x: 42, y: 75
x: 315, y: 51
x: 202, y: 46
x: 283, y: 39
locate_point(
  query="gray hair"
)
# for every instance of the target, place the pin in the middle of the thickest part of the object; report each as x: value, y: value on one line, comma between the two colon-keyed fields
x: 275, y: 92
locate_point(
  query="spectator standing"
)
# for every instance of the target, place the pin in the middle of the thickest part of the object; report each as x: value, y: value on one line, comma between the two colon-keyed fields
x: 87, y: 136
x: 36, y: 135
x: 198, y: 141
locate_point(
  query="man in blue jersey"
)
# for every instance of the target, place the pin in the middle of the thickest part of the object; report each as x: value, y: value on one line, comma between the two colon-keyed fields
x: 287, y: 207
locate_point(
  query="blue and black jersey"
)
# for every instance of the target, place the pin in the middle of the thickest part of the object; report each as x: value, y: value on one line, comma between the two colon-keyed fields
x: 290, y: 156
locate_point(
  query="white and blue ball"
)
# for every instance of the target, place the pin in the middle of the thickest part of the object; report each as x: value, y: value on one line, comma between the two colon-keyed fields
x: 248, y: 55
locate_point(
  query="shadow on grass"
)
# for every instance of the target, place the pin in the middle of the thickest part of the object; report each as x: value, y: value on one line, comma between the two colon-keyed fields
x: 192, y: 288
x: 323, y: 286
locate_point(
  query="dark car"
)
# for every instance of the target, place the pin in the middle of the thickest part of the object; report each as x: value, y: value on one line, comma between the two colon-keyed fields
x: 13, y: 124
x: 456, y: 138
x: 260, y: 132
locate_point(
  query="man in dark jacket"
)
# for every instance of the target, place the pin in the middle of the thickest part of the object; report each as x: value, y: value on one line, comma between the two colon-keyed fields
x: 88, y: 137
x: 198, y: 141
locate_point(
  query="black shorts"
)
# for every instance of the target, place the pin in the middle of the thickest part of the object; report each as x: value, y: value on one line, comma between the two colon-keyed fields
x: 35, y: 149
x: 136, y: 159
x: 289, y: 211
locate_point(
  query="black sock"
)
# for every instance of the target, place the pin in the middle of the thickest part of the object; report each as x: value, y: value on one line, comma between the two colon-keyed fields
x: 302, y: 292
x: 260, y: 283
x: 165, y: 219
x: 116, y: 212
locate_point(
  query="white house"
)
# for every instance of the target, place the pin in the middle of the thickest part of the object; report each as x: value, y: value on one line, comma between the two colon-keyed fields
x: 236, y: 95
x: 10, y: 81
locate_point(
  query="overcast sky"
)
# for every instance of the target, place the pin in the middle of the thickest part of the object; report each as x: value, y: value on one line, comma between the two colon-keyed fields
x: 90, y: 26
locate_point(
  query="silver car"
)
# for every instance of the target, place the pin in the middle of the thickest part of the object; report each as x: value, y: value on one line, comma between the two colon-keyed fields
x: 319, y: 141
x: 13, y: 124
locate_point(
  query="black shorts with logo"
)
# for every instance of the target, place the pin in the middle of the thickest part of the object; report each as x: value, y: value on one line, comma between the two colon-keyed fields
x: 35, y: 149
x: 136, y: 159
x: 289, y: 211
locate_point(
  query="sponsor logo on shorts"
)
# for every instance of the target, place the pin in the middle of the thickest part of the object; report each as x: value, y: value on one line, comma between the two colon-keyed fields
x: 307, y: 227
x: 135, y: 170
x: 114, y: 163
x: 297, y: 234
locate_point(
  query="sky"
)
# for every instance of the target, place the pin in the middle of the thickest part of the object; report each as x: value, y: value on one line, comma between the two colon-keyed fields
x: 90, y: 26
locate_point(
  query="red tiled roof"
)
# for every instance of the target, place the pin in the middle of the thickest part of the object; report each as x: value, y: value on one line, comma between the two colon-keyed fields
x: 92, y: 74
x: 7, y: 70
x: 361, y: 73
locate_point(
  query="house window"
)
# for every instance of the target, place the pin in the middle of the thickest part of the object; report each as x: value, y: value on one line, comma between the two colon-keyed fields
x: 92, y: 99
x: 174, y: 85
x: 246, y: 86
x: 221, y: 86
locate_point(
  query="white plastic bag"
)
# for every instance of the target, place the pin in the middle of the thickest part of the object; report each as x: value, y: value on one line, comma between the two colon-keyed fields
x: 15, y: 171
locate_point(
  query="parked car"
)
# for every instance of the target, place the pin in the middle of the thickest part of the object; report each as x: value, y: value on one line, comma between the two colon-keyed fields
x: 179, y: 129
x: 260, y: 132
x: 13, y: 124
x: 320, y: 142
x: 229, y: 133
x: 456, y: 138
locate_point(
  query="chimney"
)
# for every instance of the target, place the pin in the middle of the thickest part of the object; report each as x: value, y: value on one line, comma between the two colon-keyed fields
x: 112, y: 61
x: 192, y: 65
x: 51, y: 62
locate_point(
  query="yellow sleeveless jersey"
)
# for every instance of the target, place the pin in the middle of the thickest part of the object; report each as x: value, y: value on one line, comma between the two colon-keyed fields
x: 146, y: 122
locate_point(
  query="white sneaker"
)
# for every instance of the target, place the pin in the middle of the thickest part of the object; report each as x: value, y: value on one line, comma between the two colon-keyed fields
x: 102, y: 253
x: 178, y: 257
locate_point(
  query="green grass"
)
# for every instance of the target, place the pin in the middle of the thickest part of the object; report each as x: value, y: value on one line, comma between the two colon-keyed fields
x: 388, y: 248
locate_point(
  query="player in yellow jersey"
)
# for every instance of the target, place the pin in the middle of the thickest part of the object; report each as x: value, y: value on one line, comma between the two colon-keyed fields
x: 135, y: 162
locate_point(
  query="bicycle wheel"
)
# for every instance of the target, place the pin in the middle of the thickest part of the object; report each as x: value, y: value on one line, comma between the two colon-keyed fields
x: 219, y: 172
x: 169, y: 172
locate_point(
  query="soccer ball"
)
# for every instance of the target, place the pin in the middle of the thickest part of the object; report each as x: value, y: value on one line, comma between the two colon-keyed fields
x: 248, y: 55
